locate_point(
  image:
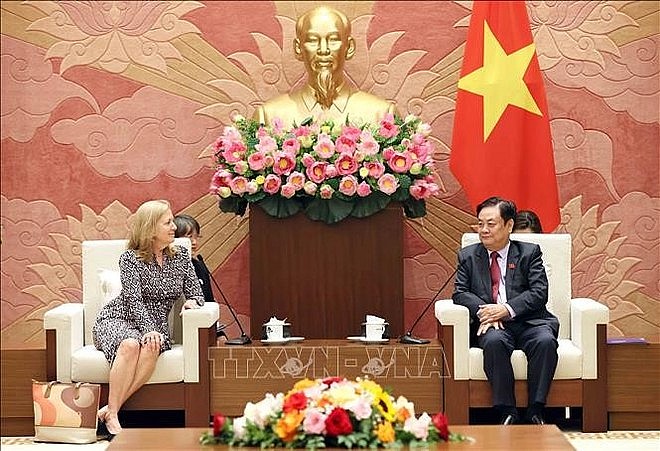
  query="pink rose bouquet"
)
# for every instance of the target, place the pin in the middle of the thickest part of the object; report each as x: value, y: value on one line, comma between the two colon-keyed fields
x: 331, y: 413
x: 329, y: 171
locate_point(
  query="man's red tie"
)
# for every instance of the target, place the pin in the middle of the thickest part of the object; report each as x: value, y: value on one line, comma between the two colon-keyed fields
x: 495, y: 275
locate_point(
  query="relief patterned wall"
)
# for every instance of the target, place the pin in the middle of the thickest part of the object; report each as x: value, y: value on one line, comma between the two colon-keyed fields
x: 108, y: 104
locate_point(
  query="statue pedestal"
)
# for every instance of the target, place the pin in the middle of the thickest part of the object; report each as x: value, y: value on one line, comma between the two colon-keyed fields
x: 326, y: 278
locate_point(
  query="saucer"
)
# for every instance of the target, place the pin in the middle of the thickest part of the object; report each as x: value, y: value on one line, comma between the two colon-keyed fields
x: 276, y: 324
x: 278, y: 341
x: 365, y: 340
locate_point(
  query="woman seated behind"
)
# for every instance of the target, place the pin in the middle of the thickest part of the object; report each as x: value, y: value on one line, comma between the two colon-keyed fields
x: 188, y: 227
x: 132, y: 329
x: 526, y: 221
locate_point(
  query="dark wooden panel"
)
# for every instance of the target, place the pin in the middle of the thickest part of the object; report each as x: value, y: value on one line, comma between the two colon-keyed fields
x: 456, y: 393
x: 17, y: 427
x: 631, y: 421
x: 246, y: 373
x: 19, y: 367
x: 594, y: 391
x: 326, y: 278
x: 633, y: 375
x: 153, y: 397
x: 562, y: 393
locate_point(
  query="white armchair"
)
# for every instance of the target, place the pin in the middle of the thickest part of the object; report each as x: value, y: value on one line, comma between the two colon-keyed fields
x: 181, y: 378
x: 580, y: 379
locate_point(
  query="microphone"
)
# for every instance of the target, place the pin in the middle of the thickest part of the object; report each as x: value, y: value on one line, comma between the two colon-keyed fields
x: 243, y: 339
x: 408, y: 338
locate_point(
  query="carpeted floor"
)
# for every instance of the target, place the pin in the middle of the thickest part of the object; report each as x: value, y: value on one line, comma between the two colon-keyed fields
x: 28, y: 444
x: 614, y: 440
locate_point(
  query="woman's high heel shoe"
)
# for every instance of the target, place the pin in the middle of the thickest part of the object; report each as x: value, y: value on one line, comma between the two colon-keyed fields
x: 102, y: 413
x: 112, y: 423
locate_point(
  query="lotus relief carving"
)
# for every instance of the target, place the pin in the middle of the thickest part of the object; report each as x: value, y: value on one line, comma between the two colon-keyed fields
x: 114, y: 34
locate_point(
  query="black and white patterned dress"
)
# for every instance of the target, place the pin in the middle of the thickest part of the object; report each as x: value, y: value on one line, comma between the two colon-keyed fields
x: 147, y: 295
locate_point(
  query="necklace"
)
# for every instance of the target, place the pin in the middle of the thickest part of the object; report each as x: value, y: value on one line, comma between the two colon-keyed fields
x: 159, y: 259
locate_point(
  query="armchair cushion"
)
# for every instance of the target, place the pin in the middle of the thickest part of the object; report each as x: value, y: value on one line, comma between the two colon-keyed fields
x: 109, y: 283
x: 568, y: 367
x: 89, y: 364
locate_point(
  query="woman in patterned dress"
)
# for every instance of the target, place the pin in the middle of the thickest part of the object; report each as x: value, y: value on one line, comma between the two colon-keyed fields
x: 132, y: 329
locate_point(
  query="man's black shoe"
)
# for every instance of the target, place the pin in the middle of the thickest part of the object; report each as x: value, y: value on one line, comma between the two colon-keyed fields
x: 537, y: 419
x: 508, y: 419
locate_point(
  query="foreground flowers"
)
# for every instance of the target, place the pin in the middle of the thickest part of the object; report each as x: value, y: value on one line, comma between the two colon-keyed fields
x: 331, y: 412
x: 330, y: 171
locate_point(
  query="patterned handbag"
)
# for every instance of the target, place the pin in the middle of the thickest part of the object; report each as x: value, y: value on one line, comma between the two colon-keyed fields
x: 65, y: 413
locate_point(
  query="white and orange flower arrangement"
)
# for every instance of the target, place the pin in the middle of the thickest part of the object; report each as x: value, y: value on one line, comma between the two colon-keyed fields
x: 328, y: 171
x: 330, y: 413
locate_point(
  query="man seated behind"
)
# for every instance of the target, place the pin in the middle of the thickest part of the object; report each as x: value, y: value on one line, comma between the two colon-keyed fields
x: 504, y: 285
x: 324, y: 42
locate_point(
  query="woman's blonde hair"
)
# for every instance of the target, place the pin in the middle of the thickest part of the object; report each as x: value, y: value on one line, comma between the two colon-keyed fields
x: 143, y: 229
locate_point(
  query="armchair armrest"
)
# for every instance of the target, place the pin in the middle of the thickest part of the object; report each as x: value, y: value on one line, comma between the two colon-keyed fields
x: 585, y: 315
x: 193, y: 320
x: 67, y: 321
x: 450, y: 314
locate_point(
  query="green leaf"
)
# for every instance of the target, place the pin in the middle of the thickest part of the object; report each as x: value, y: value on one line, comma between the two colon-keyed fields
x: 328, y: 210
x: 334, y: 183
x: 400, y: 195
x: 404, y: 181
x: 233, y: 204
x: 367, y: 206
x: 307, y: 121
x: 279, y: 207
x: 342, y: 196
x: 256, y: 197
x: 414, y: 208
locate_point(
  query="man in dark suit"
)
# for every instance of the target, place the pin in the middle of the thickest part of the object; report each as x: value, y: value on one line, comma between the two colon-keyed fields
x: 504, y: 285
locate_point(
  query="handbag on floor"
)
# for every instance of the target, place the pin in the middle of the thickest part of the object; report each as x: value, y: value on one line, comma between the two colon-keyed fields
x: 65, y: 413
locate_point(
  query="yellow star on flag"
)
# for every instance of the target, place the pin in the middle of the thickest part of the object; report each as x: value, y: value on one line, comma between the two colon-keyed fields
x: 500, y: 81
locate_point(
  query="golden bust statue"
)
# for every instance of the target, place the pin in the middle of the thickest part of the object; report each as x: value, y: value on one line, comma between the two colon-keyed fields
x: 323, y: 43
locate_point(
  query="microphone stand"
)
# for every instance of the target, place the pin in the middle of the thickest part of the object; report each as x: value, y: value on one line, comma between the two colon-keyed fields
x: 408, y: 338
x: 243, y: 339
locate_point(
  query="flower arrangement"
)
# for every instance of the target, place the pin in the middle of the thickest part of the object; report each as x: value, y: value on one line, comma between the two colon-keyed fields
x: 332, y: 412
x: 330, y: 171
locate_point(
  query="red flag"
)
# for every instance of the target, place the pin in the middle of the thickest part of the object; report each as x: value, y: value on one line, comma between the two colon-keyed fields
x: 501, y: 144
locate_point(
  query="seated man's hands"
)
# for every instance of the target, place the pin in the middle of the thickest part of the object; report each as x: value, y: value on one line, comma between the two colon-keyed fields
x: 491, y: 315
x: 483, y: 327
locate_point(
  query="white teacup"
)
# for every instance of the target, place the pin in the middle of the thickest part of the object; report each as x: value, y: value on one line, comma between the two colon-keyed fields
x: 374, y: 331
x: 275, y: 332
